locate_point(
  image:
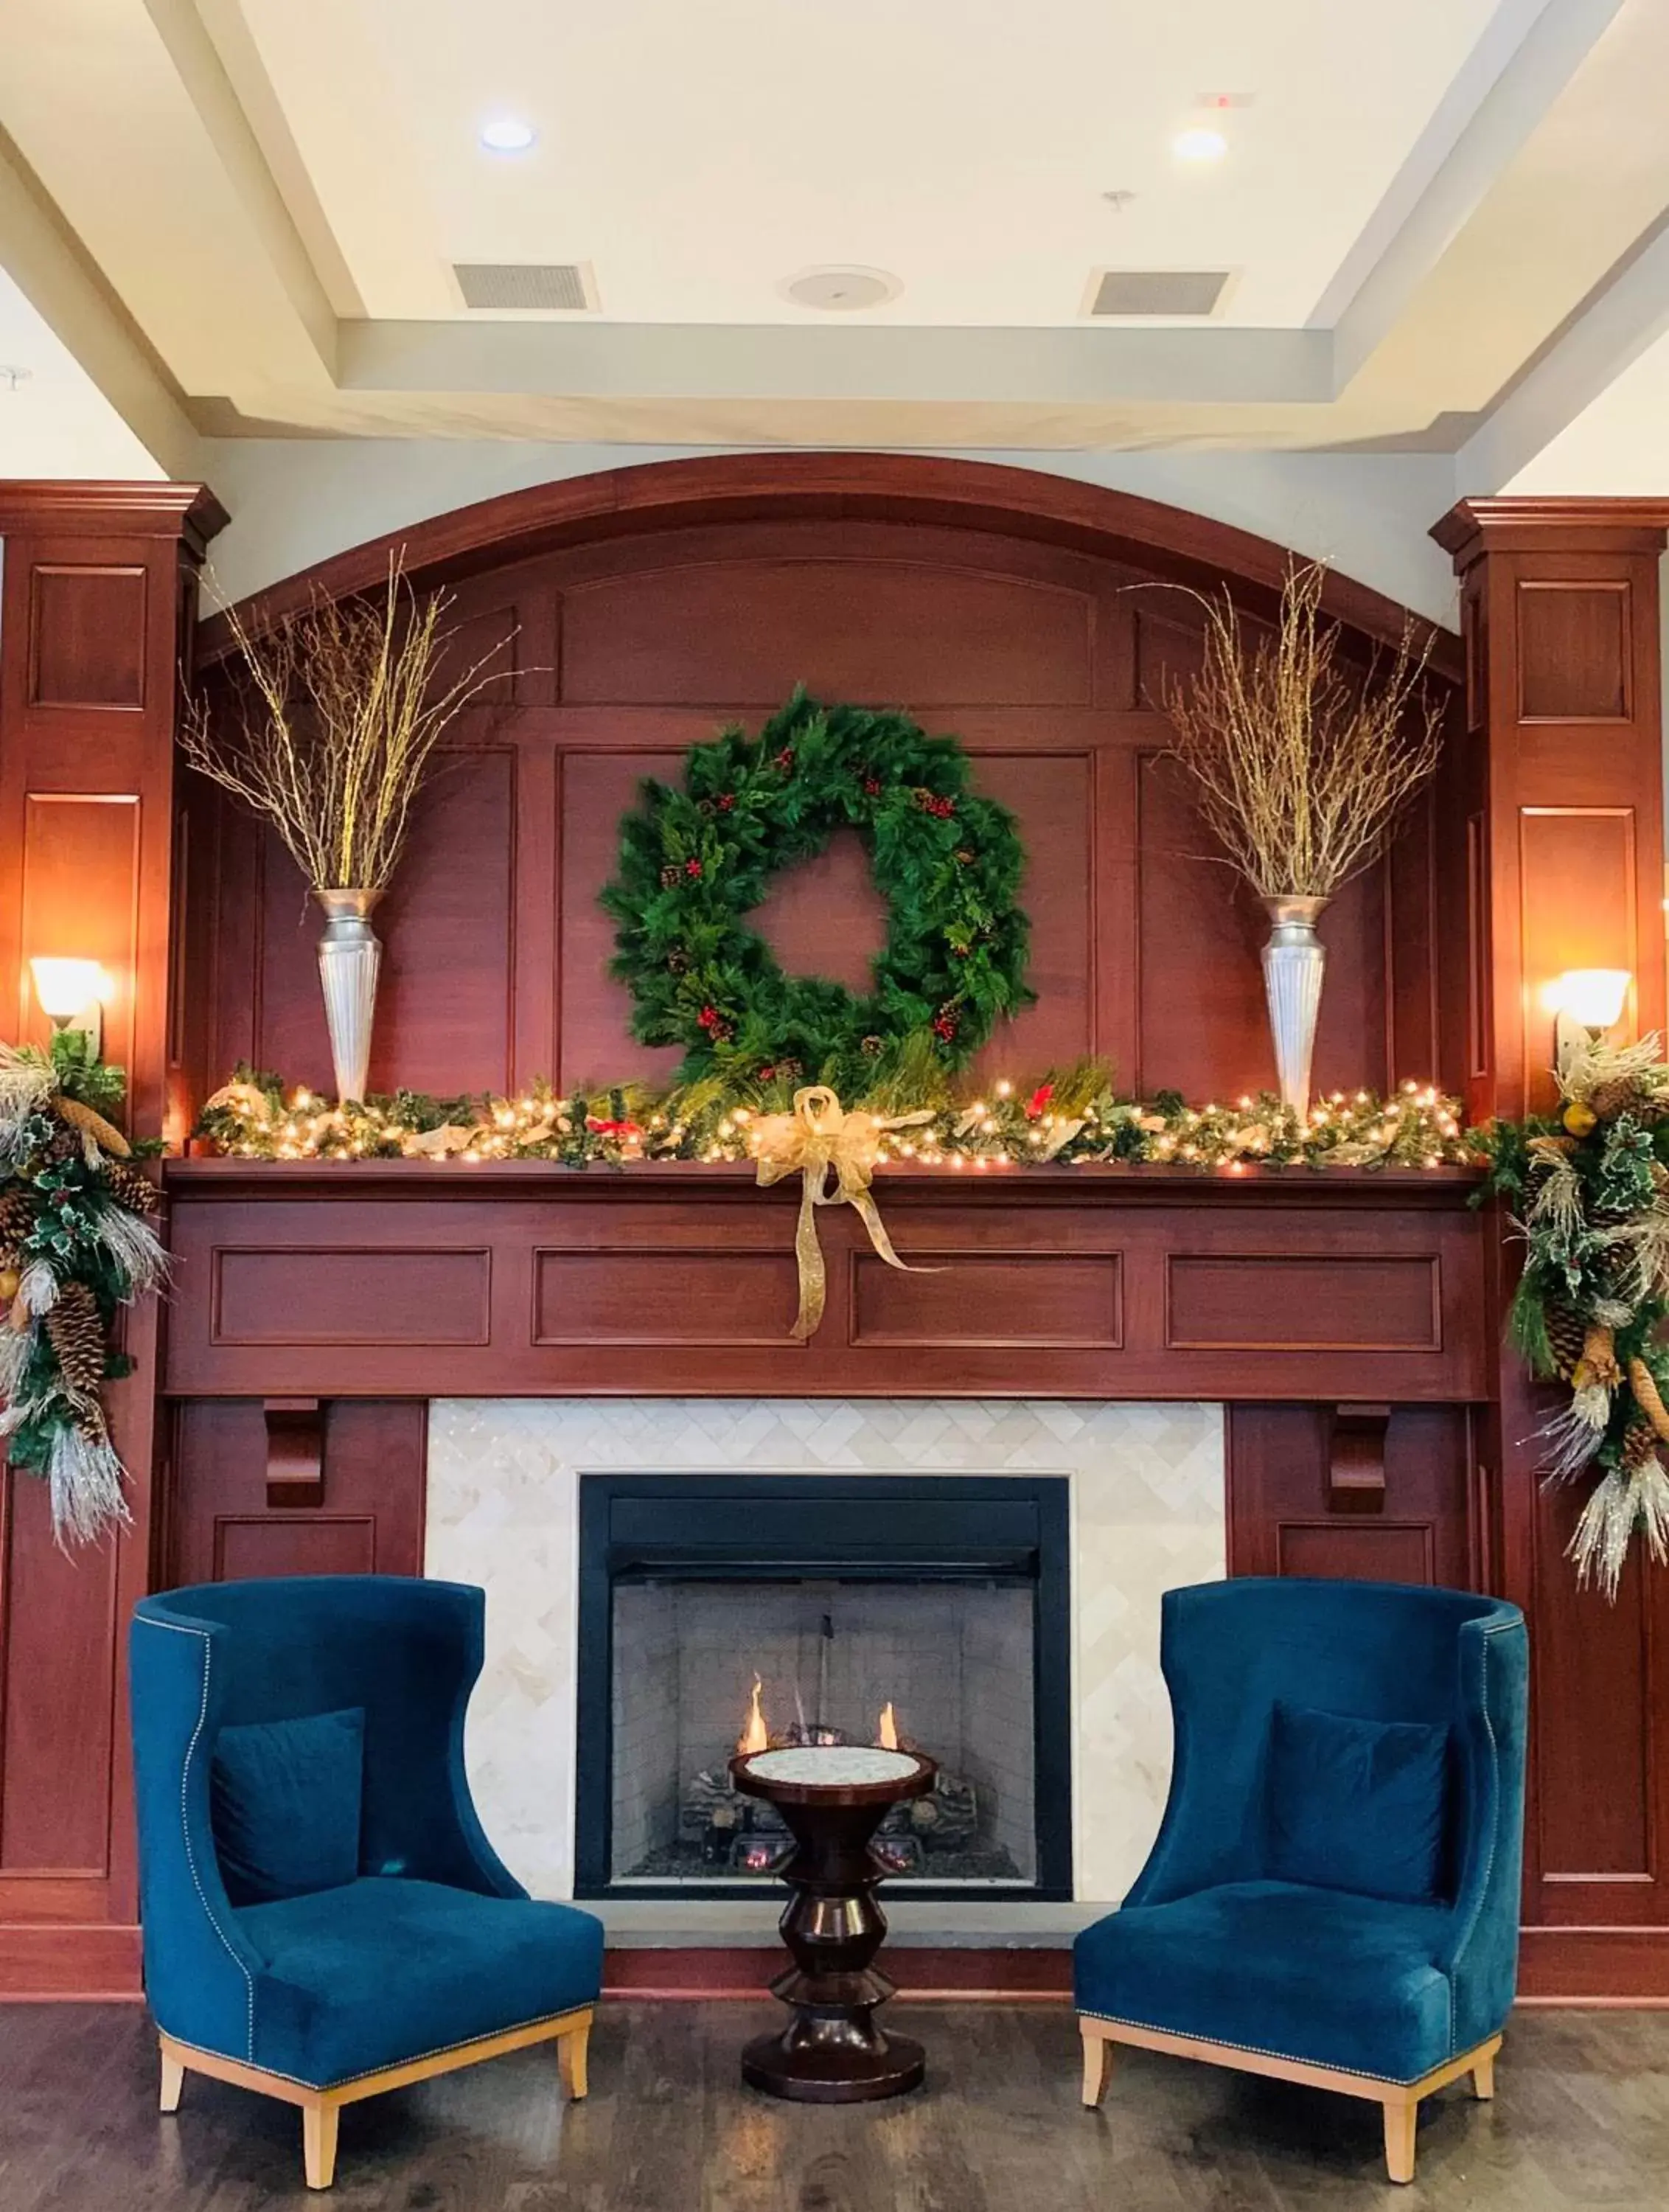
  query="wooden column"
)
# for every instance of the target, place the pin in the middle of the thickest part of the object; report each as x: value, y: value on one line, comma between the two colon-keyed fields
x: 1558, y: 859
x: 95, y: 621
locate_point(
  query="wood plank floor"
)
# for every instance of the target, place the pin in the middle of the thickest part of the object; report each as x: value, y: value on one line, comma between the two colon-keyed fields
x: 1582, y: 2119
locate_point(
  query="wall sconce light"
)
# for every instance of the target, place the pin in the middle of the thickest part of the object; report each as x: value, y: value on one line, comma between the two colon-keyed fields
x: 72, y: 995
x: 1584, y: 1002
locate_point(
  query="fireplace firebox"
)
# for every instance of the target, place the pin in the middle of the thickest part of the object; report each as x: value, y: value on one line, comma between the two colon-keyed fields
x: 724, y: 1612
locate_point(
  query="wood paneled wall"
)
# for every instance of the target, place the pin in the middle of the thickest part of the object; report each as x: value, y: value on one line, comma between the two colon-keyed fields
x: 1560, y: 789
x: 95, y: 621
x: 1048, y: 661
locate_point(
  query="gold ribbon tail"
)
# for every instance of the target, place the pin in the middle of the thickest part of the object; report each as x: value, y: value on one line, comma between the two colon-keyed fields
x: 808, y: 1253
x: 871, y: 1216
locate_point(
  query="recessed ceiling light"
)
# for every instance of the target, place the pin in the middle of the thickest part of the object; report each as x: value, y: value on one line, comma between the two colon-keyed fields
x: 840, y: 290
x: 1200, y: 144
x: 507, y: 134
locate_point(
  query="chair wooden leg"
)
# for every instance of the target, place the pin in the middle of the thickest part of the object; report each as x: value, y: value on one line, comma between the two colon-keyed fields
x: 173, y: 2080
x: 571, y: 2055
x: 1401, y: 2118
x: 319, y: 2142
x: 1097, y: 2065
x: 1483, y: 2078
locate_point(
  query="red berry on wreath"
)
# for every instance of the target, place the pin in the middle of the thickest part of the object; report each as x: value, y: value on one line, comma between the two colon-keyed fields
x: 784, y: 759
x: 944, y: 1024
x: 872, y: 786
x: 726, y: 800
x: 692, y: 867
x: 710, y: 1018
x: 768, y: 1075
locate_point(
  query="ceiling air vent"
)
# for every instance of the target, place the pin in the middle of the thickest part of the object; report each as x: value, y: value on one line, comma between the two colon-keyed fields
x: 1158, y: 291
x: 526, y: 286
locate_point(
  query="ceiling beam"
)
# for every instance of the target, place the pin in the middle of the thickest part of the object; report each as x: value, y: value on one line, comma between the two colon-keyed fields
x: 49, y: 267
x: 895, y: 363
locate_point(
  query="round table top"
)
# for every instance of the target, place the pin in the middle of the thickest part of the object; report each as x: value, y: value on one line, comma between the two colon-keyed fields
x: 805, y: 1771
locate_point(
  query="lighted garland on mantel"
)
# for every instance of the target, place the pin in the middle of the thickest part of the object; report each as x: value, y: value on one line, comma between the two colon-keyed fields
x: 1072, y: 1117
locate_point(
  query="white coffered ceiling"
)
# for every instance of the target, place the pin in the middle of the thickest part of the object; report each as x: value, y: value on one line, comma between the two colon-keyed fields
x: 243, y: 216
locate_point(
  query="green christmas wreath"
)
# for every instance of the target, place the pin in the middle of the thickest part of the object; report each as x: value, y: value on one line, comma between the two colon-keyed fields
x: 694, y: 862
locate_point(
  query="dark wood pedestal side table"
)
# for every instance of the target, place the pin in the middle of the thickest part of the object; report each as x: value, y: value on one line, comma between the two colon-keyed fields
x: 834, y: 1797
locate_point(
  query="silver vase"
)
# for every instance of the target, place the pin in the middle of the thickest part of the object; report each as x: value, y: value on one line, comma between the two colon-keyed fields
x: 349, y: 955
x: 1294, y: 961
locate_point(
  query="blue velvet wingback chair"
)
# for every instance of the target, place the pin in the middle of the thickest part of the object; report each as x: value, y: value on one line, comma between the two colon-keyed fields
x: 1333, y: 1896
x: 324, y: 1918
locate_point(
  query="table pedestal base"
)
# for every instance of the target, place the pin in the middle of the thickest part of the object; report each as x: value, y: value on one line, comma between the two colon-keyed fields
x: 832, y: 2052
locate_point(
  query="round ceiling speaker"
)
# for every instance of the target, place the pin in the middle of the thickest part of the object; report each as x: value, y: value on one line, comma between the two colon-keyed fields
x: 840, y: 290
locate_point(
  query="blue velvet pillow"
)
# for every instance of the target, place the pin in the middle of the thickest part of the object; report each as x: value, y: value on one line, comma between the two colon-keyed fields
x: 284, y: 1799
x: 1357, y: 1805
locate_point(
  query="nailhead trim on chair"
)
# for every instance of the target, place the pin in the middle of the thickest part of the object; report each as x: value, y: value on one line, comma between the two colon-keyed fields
x: 1502, y: 1628
x: 415, y: 2058
x: 1262, y: 2050
x: 147, y: 1621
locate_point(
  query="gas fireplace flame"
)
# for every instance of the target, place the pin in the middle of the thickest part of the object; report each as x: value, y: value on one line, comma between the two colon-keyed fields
x: 755, y: 1735
x: 888, y: 1735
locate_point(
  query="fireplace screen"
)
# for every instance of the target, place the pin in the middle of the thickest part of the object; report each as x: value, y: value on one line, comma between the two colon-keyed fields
x: 718, y: 1617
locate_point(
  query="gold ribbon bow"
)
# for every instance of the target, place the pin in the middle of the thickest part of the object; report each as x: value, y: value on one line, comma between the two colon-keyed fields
x: 821, y: 1139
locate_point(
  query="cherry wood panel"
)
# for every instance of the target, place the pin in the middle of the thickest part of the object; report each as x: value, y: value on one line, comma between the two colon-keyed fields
x: 369, y: 1519
x: 1285, y: 1517
x: 1559, y: 782
x: 350, y: 1296
x: 1053, y: 1282
x: 87, y: 635
x: 1264, y: 1301
x: 991, y: 1299
x: 94, y: 625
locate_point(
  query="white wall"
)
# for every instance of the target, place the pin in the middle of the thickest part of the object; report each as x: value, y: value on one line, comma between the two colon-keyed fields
x: 294, y: 501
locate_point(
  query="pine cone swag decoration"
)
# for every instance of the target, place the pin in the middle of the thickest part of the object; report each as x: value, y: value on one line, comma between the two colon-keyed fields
x: 1565, y: 1335
x: 1640, y: 1446
x: 131, y: 1186
x: 1598, y: 1367
x: 77, y: 1334
x: 87, y: 1121
x: 1623, y: 1095
x: 17, y: 1216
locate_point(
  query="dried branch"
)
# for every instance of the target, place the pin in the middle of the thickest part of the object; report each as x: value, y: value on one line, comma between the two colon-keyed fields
x: 338, y: 714
x: 1300, y: 768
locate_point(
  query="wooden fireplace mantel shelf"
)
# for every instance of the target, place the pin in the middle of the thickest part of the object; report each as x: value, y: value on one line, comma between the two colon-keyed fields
x: 1114, y: 1183
x: 420, y: 1279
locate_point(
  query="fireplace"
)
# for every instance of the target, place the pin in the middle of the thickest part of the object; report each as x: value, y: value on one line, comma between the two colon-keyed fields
x: 719, y: 1610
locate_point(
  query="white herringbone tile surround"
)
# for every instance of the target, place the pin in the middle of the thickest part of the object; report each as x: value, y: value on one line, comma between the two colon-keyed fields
x: 1147, y: 1492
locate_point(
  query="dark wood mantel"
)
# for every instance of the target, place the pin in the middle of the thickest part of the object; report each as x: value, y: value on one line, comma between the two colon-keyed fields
x: 470, y: 1279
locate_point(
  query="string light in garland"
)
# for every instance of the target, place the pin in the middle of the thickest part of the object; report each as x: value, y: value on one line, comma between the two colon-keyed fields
x: 1083, y: 1123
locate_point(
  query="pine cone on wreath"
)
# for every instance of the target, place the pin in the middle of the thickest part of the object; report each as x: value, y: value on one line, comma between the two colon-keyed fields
x: 132, y: 1187
x: 1565, y: 1334
x: 77, y: 1336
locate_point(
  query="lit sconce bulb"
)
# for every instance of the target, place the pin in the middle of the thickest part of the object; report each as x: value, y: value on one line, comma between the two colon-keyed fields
x: 72, y: 995
x: 1585, y: 1002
